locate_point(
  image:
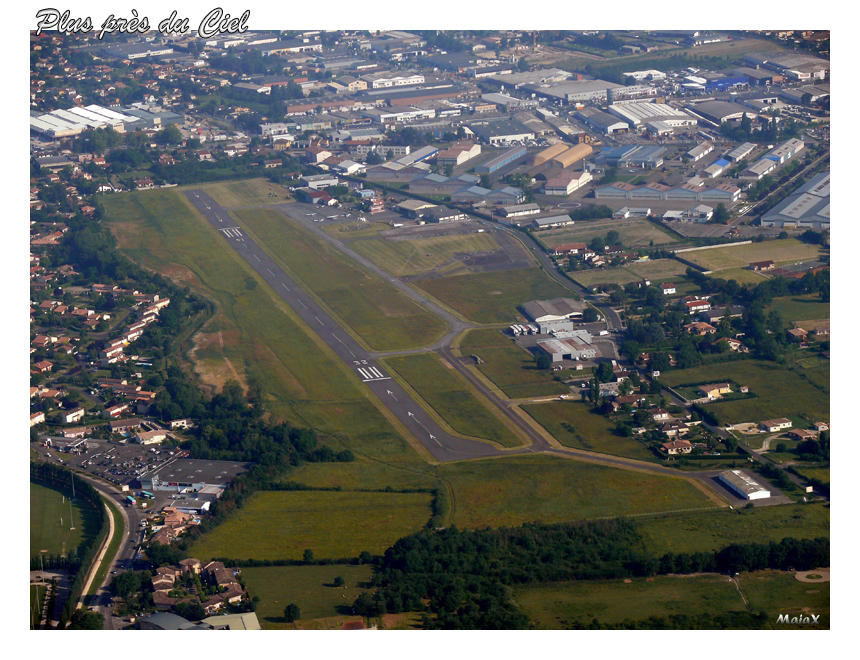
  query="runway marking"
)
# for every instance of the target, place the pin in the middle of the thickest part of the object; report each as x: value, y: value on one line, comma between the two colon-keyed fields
x: 257, y: 258
x: 318, y: 319
x: 285, y: 286
x: 270, y: 271
x: 371, y: 374
x: 302, y: 304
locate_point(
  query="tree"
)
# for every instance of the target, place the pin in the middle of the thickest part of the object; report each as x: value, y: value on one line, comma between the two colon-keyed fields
x: 543, y: 361
x: 782, y: 447
x: 308, y: 556
x: 485, y: 181
x: 589, y: 315
x: 169, y: 135
x: 720, y: 213
x: 613, y: 238
x: 604, y: 372
x: 292, y: 613
x: 339, y: 581
x: 731, y: 443
x: 84, y: 620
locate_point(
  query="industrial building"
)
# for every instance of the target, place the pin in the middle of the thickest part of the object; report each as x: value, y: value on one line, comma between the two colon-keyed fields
x: 74, y: 121
x: 795, y: 94
x: 720, y: 111
x: 639, y: 113
x: 700, y: 151
x: 497, y: 162
x: 188, y: 475
x: 716, y: 168
x: 567, y: 349
x: 444, y: 214
x: 574, y: 90
x: 690, y: 191
x: 551, y: 222
x: 550, y: 152
x: 572, y: 155
x: 602, y: 121
x: 501, y: 132
x: 808, y: 207
x: 758, y: 169
x: 741, y: 152
x: 566, y: 183
x: 509, y: 103
x: 458, y: 153
x: 413, y: 208
x: 557, y: 309
x: 744, y: 485
x: 317, y: 181
x: 786, y: 150
x: 633, y: 155
x: 519, y: 210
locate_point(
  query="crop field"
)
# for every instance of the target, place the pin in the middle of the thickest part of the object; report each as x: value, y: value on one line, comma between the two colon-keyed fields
x: 659, y: 270
x: 634, y: 233
x: 574, y: 425
x: 382, y: 316
x: 712, y: 530
x: 493, y: 297
x: 50, y: 521
x: 559, y: 605
x: 510, y: 367
x: 780, y: 391
x: 509, y: 491
x: 452, y: 399
x: 332, y: 524
x: 781, y: 252
x: 801, y: 308
x: 779, y: 592
x: 309, y: 587
x: 421, y: 255
x: 249, y: 192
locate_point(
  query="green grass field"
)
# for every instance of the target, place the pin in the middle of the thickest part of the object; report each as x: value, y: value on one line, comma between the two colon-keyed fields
x: 820, y: 473
x: 659, y: 270
x: 452, y: 399
x: 493, y: 297
x: 779, y: 592
x: 50, y: 521
x: 780, y: 252
x: 309, y: 587
x: 574, y: 425
x: 119, y: 537
x: 801, y: 308
x: 634, y: 233
x: 513, y: 490
x: 248, y: 192
x: 421, y: 255
x: 559, y: 605
x: 712, y: 530
x: 283, y: 524
x: 377, y: 312
x: 740, y: 275
x: 780, y: 391
x: 510, y: 367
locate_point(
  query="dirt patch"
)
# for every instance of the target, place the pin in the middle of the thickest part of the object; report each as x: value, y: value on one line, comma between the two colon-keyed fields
x: 818, y: 575
x: 212, y: 367
x: 628, y: 581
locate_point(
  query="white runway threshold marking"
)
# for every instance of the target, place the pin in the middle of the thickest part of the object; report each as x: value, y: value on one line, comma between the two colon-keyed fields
x: 371, y: 374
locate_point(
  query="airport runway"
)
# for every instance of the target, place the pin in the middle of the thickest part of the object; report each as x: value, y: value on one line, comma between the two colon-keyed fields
x: 441, y: 445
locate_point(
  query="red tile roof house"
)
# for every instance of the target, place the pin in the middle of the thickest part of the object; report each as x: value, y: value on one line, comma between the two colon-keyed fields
x: 697, y: 306
x: 674, y: 429
x: 778, y: 424
x: 667, y: 289
x: 677, y: 447
x: 43, y: 366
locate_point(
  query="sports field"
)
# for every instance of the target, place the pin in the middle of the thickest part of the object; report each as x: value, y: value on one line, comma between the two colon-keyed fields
x: 712, y: 530
x: 740, y: 275
x: 422, y: 255
x: 509, y: 491
x: 493, y: 297
x: 510, y: 367
x: 309, y: 587
x: 659, y: 270
x: 574, y: 425
x: 559, y: 605
x: 332, y: 524
x: 780, y: 392
x: 51, y: 519
x: 451, y: 398
x: 634, y: 233
x: 377, y: 312
x: 801, y: 308
x: 781, y: 252
x: 249, y: 192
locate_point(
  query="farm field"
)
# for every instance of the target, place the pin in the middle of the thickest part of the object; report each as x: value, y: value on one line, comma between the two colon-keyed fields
x: 779, y: 392
x: 659, y: 270
x: 712, y: 530
x: 779, y: 592
x: 634, y: 233
x: 801, y: 308
x: 332, y: 524
x: 574, y: 425
x: 493, y: 297
x: 451, y: 398
x: 509, y: 491
x: 779, y: 251
x: 309, y: 587
x: 559, y: 605
x: 50, y: 522
x: 510, y: 367
x: 421, y: 255
x: 248, y: 192
x: 377, y: 312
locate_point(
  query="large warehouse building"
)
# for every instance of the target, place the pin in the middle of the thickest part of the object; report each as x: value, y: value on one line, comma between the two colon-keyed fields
x: 720, y: 111
x: 188, y: 475
x: 639, y: 113
x: 557, y: 309
x: 744, y: 485
x: 809, y: 206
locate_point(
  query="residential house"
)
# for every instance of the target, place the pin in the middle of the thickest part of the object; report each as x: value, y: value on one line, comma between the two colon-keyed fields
x: 700, y: 329
x: 677, y: 447
x: 74, y: 415
x: 37, y: 418
x: 660, y: 415
x: 667, y: 289
x: 802, y: 434
x: 773, y: 425
x: 762, y: 265
x: 716, y: 390
x: 675, y: 428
